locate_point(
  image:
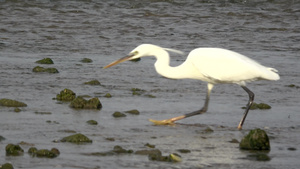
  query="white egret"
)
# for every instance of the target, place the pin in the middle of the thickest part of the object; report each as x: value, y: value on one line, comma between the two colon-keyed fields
x: 212, y: 65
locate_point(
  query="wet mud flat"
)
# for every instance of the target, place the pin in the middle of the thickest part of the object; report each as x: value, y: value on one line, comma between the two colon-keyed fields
x: 81, y: 38
x: 207, y: 140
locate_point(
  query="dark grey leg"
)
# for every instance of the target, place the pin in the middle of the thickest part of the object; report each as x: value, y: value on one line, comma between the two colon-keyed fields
x: 251, y: 98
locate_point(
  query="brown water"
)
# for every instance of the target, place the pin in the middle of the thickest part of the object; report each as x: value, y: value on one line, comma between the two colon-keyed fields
x: 267, y: 31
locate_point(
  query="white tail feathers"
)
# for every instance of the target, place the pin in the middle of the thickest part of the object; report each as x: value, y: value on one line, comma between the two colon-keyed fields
x: 272, y: 75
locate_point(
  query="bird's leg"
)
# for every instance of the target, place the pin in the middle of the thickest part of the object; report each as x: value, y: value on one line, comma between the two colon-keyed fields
x: 251, y: 98
x: 203, y: 110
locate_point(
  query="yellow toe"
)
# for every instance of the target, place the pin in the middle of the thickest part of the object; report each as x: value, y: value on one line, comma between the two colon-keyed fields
x: 162, y: 122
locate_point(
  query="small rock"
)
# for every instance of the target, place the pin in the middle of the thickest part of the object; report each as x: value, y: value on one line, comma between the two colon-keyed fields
x: 116, y: 151
x: 92, y: 122
x: 67, y: 131
x: 45, y: 61
x: 110, y: 139
x: 119, y: 150
x: 134, y: 112
x: 32, y: 151
x: 2, y: 138
x: 12, y: 103
x: 17, y: 110
x: 208, y: 130
x: 81, y: 103
x: 55, y: 151
x: 48, y: 70
x: 262, y: 106
x: 148, y: 152
x: 150, y: 96
x: 156, y: 155
x: 107, y: 95
x: 86, y: 60
x: 150, y: 145
x: 234, y: 141
x: 6, y: 166
x: 14, y: 150
x: 137, y: 91
x: 257, y: 139
x: 292, y: 148
x: 76, y: 138
x: 66, y: 95
x: 42, y: 113
x: 184, y: 150
x: 118, y: 114
x: 47, y: 153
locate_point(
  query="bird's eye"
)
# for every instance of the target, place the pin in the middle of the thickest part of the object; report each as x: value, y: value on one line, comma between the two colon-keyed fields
x: 132, y: 54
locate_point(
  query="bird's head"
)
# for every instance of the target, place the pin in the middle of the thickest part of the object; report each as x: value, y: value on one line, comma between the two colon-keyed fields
x: 138, y: 52
x: 141, y: 51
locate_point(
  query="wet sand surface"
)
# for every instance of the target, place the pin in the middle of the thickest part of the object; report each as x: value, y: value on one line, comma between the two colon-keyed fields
x: 267, y: 31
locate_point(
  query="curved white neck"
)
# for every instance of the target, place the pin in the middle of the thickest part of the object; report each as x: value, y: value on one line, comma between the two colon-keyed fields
x: 163, y: 68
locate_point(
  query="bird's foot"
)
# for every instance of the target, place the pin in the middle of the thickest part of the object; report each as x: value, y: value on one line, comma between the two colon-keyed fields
x: 240, y: 127
x: 162, y: 122
x: 167, y: 121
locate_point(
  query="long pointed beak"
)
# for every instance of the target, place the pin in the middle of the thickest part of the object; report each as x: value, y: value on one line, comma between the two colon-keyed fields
x: 118, y: 61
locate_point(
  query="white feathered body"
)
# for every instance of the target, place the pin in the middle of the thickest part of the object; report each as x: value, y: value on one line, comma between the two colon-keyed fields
x: 215, y: 65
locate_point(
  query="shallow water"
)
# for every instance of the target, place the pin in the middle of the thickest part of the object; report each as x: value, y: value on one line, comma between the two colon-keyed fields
x: 267, y: 31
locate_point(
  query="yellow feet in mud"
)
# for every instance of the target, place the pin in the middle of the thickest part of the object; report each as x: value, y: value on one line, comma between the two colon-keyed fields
x: 162, y: 122
x: 167, y: 121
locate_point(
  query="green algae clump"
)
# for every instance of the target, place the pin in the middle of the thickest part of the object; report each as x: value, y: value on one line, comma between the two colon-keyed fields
x: 119, y: 150
x: 12, y: 103
x: 156, y: 155
x: 137, y: 91
x: 33, y: 151
x: 6, y: 166
x: 15, y: 150
x: 42, y: 69
x: 149, y: 152
x: 92, y: 122
x: 261, y: 106
x: 66, y: 95
x: 47, y: 153
x: 116, y: 151
x: 17, y: 110
x: 256, y: 139
x: 118, y: 114
x: 81, y: 103
x: 108, y: 95
x: 93, y: 82
x: 134, y: 112
x: 170, y: 158
x: 86, y: 60
x: 76, y: 138
x: 149, y: 145
x: 45, y: 61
